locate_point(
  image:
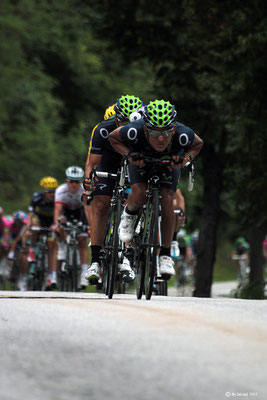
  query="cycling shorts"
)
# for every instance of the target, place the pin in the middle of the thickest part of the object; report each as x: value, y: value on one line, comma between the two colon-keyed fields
x: 169, y: 179
x: 110, y: 162
x: 45, y: 222
x: 78, y: 214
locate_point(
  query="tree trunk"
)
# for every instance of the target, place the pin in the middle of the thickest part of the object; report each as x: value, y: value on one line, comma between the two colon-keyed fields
x: 212, y: 173
x: 256, y: 276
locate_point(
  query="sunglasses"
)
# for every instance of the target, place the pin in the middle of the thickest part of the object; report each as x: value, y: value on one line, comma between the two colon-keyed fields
x: 77, y: 182
x: 155, y: 134
x: 49, y: 191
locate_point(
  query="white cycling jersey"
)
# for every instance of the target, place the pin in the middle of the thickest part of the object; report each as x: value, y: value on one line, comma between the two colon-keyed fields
x: 69, y: 200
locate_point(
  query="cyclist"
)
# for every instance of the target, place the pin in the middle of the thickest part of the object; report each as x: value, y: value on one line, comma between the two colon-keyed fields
x: 69, y: 206
x: 178, y: 200
x: 41, y: 211
x: 185, y: 256
x: 107, y: 159
x: 180, y: 219
x: 5, y: 223
x: 157, y: 135
x: 18, y: 236
x: 240, y: 254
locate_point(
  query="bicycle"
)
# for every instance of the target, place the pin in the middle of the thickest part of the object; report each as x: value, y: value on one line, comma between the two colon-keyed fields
x: 69, y: 269
x: 113, y: 250
x: 38, y: 268
x: 148, y: 241
x: 14, y: 265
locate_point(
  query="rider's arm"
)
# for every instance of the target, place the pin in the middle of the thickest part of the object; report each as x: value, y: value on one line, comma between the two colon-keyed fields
x: 14, y: 242
x: 57, y: 212
x: 195, y: 148
x: 29, y: 219
x: 117, y: 143
x: 91, y: 161
x: 179, y: 201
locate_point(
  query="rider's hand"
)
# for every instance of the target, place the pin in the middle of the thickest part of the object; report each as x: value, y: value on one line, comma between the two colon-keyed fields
x: 134, y: 159
x: 140, y: 163
x: 87, y: 184
x: 179, y: 162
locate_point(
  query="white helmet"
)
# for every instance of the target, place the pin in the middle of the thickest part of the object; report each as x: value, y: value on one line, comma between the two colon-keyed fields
x: 74, y: 173
x: 137, y: 114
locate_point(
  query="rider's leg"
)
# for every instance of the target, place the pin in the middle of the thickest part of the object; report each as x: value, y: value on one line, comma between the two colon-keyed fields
x: 136, y: 199
x: 52, y: 261
x: 33, y: 239
x: 167, y: 227
x: 99, y: 213
x: 83, y: 249
x: 100, y: 209
x: 168, y: 220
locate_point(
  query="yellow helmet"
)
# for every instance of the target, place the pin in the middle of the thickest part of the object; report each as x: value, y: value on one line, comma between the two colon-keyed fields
x: 48, y: 183
x: 109, y: 112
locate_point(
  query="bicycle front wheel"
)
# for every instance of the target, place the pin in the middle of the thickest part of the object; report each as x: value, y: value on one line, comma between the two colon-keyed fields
x: 139, y: 260
x: 151, y: 242
x: 75, y: 269
x: 40, y: 267
x: 113, y: 266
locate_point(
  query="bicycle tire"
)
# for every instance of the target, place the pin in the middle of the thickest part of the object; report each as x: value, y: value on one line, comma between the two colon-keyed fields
x: 113, y: 266
x: 105, y: 260
x: 68, y: 267
x: 151, y: 242
x: 139, y: 263
x: 40, y: 271
x: 163, y: 288
x: 74, y: 269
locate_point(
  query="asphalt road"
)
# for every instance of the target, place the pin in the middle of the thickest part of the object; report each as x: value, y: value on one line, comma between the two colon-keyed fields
x: 84, y: 346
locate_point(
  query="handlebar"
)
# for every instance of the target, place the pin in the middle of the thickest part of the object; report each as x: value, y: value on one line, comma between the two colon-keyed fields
x: 121, y: 175
x: 73, y: 225
x: 190, y: 165
x: 40, y: 229
x: 155, y: 161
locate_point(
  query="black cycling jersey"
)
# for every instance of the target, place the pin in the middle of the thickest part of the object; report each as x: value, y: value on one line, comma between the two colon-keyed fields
x: 43, y: 210
x: 134, y: 137
x: 99, y: 142
x: 110, y: 161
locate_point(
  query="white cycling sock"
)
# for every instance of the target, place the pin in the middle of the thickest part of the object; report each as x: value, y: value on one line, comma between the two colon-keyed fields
x: 84, y: 268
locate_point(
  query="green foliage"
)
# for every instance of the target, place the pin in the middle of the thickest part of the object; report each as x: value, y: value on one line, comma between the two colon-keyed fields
x: 57, y: 81
x: 247, y: 290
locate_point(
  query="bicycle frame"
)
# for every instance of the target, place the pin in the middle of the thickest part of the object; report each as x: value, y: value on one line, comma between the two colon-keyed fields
x: 113, y: 246
x: 38, y: 268
x: 69, y: 269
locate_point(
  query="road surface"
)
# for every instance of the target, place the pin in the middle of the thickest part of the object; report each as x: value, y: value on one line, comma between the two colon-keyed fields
x: 83, y: 346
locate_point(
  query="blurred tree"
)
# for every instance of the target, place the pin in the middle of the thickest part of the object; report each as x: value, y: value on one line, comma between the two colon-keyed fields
x: 57, y: 81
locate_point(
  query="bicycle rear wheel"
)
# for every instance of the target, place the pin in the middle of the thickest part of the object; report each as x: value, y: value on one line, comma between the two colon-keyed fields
x: 113, y: 266
x: 151, y: 242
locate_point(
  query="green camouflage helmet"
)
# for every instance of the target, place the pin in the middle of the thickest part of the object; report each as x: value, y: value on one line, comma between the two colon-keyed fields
x: 125, y: 105
x: 159, y: 114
